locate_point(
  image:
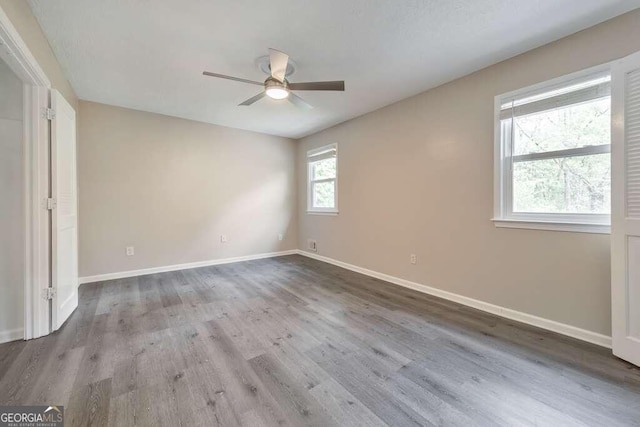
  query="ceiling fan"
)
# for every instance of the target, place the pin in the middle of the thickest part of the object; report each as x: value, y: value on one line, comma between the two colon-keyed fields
x: 276, y: 86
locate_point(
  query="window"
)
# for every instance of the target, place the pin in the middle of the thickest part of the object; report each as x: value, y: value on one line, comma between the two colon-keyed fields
x: 553, y: 155
x: 322, y: 167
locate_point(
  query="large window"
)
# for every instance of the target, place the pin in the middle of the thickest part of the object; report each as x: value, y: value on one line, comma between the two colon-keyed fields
x: 322, y: 167
x: 553, y: 161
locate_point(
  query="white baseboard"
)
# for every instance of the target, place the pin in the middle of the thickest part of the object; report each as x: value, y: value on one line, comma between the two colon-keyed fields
x: 11, y: 335
x: 551, y: 325
x: 176, y: 267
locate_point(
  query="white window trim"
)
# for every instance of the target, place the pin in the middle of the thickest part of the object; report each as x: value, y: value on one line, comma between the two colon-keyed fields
x: 321, y: 211
x: 503, y: 217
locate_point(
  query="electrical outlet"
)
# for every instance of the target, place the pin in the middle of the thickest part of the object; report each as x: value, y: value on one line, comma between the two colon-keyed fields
x: 223, y: 238
x: 280, y: 237
x: 130, y: 251
x: 413, y: 259
x: 312, y: 245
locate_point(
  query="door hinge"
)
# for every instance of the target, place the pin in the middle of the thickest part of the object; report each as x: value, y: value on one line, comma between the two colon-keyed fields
x: 51, y: 204
x: 49, y: 114
x: 48, y: 293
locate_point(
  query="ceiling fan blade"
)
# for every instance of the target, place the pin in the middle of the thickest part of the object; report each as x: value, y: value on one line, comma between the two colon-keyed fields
x: 299, y: 102
x: 237, y: 79
x: 335, y: 85
x: 251, y: 100
x: 278, y: 62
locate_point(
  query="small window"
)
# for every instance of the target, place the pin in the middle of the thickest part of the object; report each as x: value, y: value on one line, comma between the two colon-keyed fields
x: 322, y: 167
x: 553, y: 155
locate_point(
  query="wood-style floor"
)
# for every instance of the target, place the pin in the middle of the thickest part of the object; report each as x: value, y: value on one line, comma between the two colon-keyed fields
x: 292, y: 341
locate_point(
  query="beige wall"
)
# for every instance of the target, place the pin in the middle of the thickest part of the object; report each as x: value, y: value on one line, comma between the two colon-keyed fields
x: 12, y: 234
x: 417, y: 177
x: 24, y: 21
x: 170, y: 187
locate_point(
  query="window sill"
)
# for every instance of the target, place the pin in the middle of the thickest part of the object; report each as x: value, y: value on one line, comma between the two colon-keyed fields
x: 325, y: 213
x: 574, y: 227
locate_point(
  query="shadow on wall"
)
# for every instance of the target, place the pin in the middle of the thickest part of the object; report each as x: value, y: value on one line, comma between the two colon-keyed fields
x: 244, y: 217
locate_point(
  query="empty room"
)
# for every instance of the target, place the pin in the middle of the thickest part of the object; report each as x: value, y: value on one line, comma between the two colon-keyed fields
x: 327, y: 213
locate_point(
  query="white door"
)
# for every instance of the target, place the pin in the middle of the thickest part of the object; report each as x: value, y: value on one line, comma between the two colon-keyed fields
x: 625, y: 214
x: 64, y: 224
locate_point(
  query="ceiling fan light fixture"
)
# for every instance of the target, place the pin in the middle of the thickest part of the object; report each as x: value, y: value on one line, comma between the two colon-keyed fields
x: 275, y: 92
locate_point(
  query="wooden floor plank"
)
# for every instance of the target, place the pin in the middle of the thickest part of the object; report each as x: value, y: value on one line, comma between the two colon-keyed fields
x: 89, y: 405
x: 345, y: 409
x: 299, y: 406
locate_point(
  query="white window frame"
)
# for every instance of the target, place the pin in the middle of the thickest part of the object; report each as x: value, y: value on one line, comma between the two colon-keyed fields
x: 503, y: 178
x: 310, y: 155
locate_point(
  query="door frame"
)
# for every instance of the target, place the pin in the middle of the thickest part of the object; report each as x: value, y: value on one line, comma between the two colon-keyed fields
x: 14, y: 51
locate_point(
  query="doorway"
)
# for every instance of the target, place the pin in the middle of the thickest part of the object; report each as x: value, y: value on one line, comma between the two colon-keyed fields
x: 28, y: 180
x: 12, y: 230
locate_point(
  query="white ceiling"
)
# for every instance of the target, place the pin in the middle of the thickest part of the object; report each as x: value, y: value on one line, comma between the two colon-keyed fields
x: 149, y: 54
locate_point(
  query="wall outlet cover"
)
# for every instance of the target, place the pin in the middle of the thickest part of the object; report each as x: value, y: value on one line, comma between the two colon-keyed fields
x: 312, y: 245
x: 130, y: 251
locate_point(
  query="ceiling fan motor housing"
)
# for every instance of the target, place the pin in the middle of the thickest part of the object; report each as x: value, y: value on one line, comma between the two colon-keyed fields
x: 271, y: 82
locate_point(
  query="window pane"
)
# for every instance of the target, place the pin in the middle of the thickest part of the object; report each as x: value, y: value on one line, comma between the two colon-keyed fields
x: 324, y: 194
x: 564, y: 185
x: 323, y: 169
x: 575, y: 126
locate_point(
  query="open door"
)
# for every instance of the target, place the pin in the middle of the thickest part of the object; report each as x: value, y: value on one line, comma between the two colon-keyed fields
x: 64, y: 218
x: 625, y: 205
